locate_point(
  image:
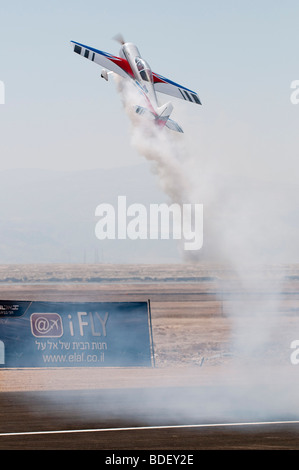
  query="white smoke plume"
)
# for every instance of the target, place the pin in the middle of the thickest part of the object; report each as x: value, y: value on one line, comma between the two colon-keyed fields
x: 163, y: 148
x: 167, y: 154
x: 246, y: 230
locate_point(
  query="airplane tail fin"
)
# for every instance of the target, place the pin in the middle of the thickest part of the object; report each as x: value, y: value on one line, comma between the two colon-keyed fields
x: 164, y: 111
x: 164, y: 120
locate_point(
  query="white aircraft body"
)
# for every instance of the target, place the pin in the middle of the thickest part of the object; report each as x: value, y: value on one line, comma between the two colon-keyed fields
x: 130, y: 65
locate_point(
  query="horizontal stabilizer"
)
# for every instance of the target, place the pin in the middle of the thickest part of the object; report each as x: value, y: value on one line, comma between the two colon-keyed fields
x: 173, y: 126
x: 161, y: 120
x: 144, y: 112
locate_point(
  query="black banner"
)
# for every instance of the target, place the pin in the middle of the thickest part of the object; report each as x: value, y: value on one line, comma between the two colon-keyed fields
x: 67, y: 334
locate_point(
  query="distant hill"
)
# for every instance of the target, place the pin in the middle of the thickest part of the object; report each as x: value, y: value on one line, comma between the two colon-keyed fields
x: 48, y: 216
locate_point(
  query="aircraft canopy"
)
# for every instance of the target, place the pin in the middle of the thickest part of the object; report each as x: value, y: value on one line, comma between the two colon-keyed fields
x: 144, y: 70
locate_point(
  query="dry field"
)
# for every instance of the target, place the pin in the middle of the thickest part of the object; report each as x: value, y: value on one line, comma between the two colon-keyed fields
x: 210, y: 332
x: 200, y: 314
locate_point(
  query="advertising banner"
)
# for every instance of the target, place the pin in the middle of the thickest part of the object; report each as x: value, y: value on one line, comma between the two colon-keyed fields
x: 75, y: 334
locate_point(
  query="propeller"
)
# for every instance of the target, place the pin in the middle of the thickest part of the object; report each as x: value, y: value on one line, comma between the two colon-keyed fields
x: 119, y: 38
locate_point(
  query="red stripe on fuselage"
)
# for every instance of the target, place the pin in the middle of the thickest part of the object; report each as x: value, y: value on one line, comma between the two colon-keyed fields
x: 122, y: 63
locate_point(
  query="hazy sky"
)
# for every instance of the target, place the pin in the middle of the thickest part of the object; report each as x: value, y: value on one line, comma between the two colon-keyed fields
x: 239, y: 56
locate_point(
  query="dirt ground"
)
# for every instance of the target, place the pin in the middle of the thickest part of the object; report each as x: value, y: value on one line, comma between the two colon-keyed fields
x: 210, y: 335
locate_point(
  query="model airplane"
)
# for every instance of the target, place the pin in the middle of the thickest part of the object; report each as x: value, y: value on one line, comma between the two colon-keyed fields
x: 130, y: 65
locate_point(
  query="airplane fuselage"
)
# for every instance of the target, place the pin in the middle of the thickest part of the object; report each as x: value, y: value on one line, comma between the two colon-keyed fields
x: 142, y: 74
x: 131, y: 66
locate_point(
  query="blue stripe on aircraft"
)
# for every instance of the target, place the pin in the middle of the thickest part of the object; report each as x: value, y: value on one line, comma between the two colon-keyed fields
x: 110, y: 56
x: 173, y: 83
x: 96, y: 50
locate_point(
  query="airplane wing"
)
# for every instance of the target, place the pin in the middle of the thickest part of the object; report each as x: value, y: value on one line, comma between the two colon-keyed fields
x: 164, y: 85
x: 109, y: 61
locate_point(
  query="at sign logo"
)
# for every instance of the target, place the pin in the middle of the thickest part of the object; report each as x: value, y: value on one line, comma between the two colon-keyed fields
x: 46, y: 325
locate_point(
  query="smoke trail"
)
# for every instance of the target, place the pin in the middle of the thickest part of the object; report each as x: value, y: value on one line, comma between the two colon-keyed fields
x: 250, y: 228
x: 240, y: 221
x: 163, y: 149
x: 245, y: 232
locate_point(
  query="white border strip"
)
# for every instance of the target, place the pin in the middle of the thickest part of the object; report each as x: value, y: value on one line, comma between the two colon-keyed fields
x: 146, y: 428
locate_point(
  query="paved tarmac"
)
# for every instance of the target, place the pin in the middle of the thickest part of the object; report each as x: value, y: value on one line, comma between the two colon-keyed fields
x: 65, y: 420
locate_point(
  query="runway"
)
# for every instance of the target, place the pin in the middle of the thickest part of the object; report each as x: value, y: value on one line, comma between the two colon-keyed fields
x: 32, y: 422
x: 200, y: 395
